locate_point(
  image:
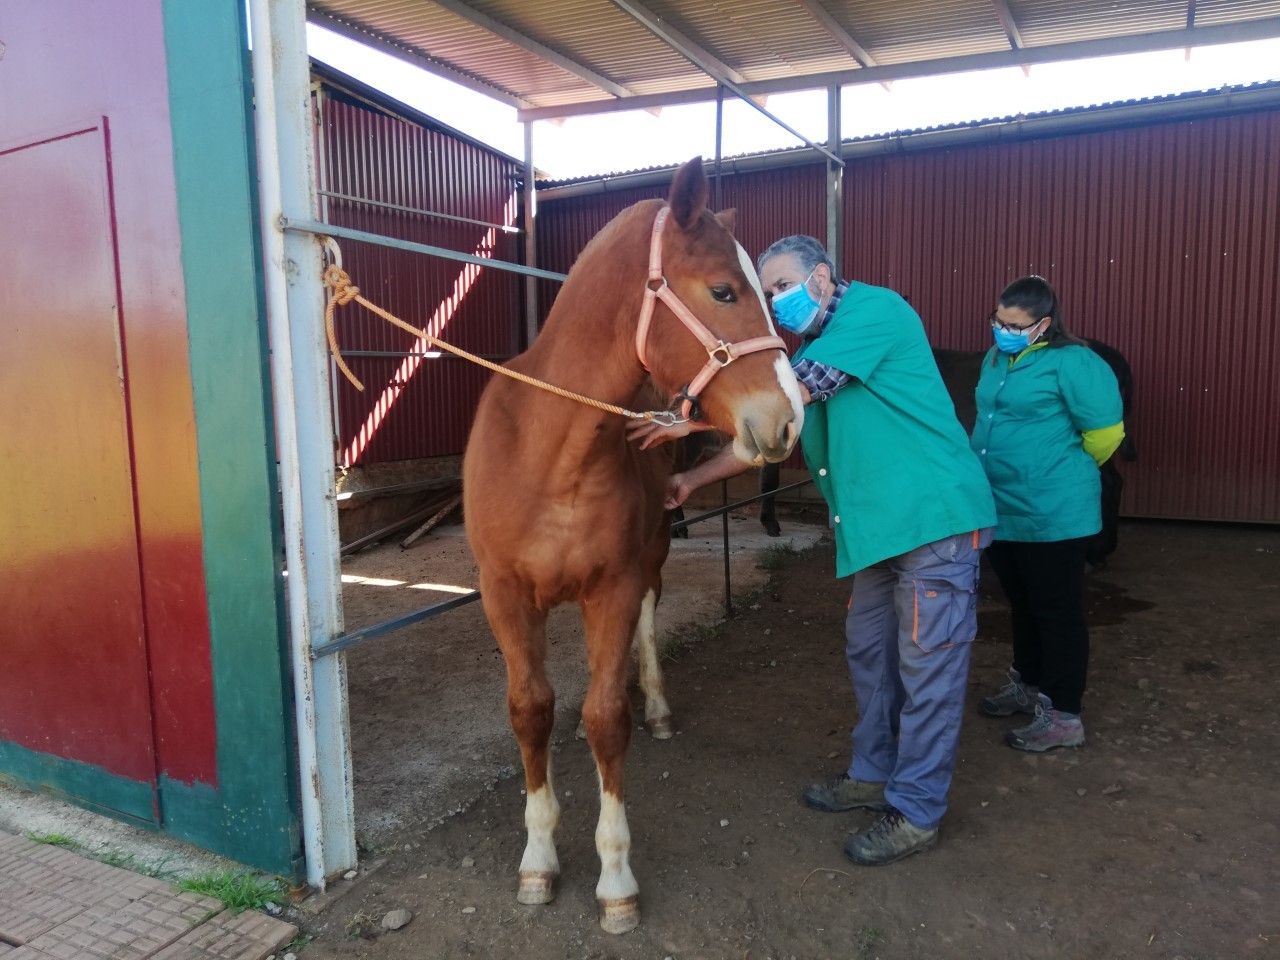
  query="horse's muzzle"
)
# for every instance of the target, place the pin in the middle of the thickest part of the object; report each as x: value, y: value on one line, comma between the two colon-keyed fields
x: 767, y: 432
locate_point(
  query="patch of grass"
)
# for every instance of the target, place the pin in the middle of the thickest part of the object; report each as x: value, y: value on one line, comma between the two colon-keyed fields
x: 55, y: 840
x: 118, y: 858
x: 297, y: 943
x: 361, y: 925
x: 775, y: 556
x: 237, y: 891
x: 127, y: 861
x: 868, y: 939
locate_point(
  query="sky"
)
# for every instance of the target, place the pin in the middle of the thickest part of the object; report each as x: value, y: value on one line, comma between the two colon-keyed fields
x: 609, y: 143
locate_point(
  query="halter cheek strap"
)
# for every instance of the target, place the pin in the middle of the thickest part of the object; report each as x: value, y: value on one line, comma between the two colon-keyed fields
x: 719, y: 353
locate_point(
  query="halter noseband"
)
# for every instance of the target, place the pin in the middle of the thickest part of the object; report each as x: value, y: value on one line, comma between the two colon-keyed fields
x: 719, y: 353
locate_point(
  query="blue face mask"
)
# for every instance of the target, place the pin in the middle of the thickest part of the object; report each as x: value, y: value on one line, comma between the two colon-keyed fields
x: 1007, y: 341
x: 795, y: 308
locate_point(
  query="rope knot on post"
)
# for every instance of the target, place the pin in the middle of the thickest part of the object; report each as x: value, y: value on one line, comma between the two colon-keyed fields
x: 344, y: 291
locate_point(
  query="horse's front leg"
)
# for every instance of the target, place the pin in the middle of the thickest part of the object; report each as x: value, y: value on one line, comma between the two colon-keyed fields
x: 610, y: 614
x: 521, y: 631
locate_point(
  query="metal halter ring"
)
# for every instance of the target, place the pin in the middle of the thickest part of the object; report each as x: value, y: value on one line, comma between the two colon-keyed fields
x: 666, y: 418
x: 722, y: 348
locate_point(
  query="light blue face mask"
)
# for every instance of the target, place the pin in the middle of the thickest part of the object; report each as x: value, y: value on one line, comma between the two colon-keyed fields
x: 795, y: 309
x: 1008, y: 341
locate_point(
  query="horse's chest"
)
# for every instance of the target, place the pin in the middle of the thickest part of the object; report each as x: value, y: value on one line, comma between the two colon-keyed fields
x: 564, y: 548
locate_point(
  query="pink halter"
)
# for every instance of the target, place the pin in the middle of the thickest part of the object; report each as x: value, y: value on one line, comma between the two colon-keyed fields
x: 719, y: 353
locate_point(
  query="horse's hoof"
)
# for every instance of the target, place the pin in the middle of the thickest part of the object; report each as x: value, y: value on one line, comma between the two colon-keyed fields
x: 537, y: 887
x: 661, y: 728
x: 621, y: 915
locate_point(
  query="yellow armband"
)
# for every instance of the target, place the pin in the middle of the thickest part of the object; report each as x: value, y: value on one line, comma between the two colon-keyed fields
x: 1101, y: 444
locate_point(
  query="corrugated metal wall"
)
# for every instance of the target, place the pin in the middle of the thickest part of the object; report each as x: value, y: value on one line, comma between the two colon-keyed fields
x: 1162, y: 240
x: 416, y: 407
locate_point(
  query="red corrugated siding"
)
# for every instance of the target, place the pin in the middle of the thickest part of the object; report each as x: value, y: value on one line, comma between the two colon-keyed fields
x: 1162, y: 241
x: 423, y: 409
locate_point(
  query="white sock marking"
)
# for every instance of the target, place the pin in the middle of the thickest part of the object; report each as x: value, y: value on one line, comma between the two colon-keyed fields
x: 655, y: 704
x: 613, y: 844
x: 541, y: 816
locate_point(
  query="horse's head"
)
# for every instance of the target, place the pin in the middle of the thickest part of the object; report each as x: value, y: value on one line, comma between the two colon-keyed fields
x: 736, y: 375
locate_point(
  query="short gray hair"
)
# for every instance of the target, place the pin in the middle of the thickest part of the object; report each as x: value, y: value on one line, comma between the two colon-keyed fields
x: 807, y: 251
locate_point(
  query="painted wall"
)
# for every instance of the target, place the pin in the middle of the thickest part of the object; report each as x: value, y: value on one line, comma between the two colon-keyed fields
x: 141, y: 667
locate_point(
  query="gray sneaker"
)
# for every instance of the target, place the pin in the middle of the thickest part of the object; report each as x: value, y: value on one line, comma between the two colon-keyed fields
x: 1014, y: 697
x: 890, y: 838
x: 1050, y: 729
x: 842, y: 794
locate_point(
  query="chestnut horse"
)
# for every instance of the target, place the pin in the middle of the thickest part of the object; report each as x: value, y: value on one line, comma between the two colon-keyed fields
x: 561, y: 507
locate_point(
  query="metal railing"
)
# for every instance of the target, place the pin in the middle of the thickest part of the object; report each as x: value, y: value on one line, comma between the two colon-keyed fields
x: 355, y: 637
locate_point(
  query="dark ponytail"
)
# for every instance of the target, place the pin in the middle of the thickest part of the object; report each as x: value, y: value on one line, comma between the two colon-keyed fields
x: 1034, y: 295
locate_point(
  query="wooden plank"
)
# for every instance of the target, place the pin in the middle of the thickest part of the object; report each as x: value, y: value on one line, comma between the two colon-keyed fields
x: 432, y: 522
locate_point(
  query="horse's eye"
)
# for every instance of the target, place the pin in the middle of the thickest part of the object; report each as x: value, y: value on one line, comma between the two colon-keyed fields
x: 724, y: 294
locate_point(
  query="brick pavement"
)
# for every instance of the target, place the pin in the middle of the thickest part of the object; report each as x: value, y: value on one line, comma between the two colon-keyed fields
x: 58, y: 905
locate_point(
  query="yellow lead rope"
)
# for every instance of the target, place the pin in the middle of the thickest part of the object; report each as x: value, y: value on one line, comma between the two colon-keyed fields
x: 344, y: 292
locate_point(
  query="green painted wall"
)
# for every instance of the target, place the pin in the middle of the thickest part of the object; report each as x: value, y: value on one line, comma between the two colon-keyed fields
x: 252, y: 814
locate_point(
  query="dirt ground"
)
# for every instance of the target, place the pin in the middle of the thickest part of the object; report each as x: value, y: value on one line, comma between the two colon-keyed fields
x: 1156, y: 840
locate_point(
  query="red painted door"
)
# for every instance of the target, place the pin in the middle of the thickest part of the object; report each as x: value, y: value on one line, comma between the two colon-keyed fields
x: 74, y: 682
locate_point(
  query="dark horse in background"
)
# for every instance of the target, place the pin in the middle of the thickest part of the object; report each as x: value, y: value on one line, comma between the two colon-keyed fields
x: 960, y: 369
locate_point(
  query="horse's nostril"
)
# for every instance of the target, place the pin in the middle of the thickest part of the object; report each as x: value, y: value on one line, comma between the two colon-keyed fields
x: 789, y: 433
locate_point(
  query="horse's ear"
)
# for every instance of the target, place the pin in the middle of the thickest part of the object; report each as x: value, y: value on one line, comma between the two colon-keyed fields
x: 688, y: 193
x: 728, y: 219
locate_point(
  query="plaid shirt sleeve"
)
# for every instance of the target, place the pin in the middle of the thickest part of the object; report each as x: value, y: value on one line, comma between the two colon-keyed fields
x: 822, y: 381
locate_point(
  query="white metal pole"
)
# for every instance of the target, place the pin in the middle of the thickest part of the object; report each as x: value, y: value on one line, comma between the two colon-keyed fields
x: 835, y: 183
x: 530, y: 238
x: 299, y: 368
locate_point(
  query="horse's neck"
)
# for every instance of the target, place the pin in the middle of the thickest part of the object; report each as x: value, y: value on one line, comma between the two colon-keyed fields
x: 588, y: 342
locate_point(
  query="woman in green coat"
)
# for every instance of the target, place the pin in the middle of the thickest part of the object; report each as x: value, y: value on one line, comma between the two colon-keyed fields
x: 1049, y: 414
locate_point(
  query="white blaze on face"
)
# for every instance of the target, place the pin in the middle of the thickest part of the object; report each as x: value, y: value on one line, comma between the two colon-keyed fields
x: 782, y: 368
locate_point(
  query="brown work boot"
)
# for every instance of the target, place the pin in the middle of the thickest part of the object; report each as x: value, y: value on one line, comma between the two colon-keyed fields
x: 889, y: 839
x: 842, y: 794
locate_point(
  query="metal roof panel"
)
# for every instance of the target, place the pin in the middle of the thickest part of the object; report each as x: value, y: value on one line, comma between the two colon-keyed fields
x: 761, y: 40
x: 1061, y: 21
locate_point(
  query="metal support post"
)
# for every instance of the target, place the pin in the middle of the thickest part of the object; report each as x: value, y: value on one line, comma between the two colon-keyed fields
x: 530, y: 238
x: 724, y: 485
x: 304, y: 433
x: 719, y: 200
x: 835, y: 184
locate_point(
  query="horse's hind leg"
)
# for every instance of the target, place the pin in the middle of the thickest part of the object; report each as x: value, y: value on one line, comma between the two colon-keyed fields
x: 610, y: 614
x: 657, y: 715
x: 521, y: 631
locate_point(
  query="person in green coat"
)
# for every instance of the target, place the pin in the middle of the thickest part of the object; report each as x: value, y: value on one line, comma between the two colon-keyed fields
x: 1049, y: 415
x: 910, y: 512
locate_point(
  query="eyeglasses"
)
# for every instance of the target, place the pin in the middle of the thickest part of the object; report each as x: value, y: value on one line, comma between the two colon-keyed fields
x: 996, y: 324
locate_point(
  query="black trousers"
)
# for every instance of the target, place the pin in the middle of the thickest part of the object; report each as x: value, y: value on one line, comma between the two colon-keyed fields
x: 1045, y: 586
